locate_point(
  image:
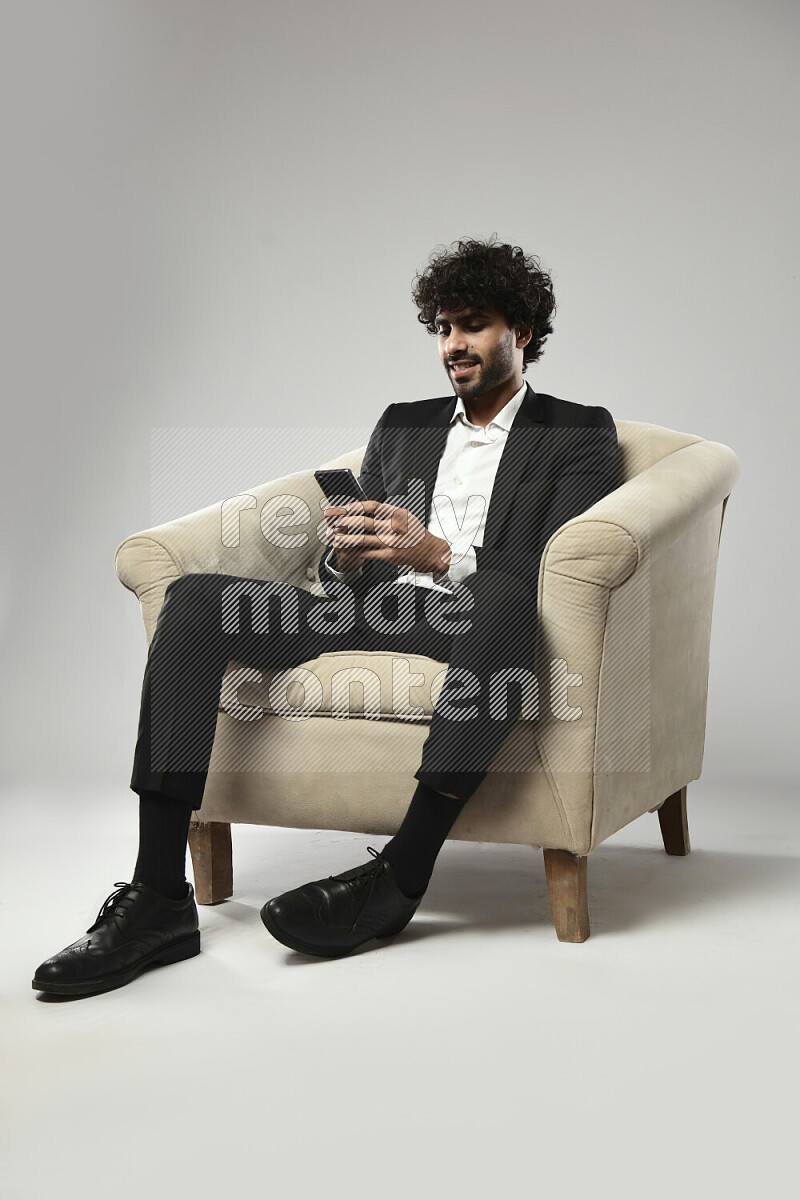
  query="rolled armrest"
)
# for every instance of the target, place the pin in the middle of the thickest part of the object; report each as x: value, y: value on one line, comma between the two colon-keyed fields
x: 645, y: 516
x: 267, y: 532
x: 625, y: 600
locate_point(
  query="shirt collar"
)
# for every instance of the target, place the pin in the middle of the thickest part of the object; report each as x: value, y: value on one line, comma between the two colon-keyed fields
x: 505, y: 418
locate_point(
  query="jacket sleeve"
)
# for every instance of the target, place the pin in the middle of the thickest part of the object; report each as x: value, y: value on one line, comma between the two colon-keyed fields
x: 371, y: 480
x: 590, y: 473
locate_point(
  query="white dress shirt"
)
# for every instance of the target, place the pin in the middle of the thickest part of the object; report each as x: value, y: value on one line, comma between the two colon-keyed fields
x: 462, y: 492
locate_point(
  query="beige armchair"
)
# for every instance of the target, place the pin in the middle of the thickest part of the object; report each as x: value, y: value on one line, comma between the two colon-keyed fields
x: 625, y: 601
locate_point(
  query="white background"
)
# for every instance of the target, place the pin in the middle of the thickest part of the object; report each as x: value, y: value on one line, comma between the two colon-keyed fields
x: 213, y: 216
x: 213, y: 212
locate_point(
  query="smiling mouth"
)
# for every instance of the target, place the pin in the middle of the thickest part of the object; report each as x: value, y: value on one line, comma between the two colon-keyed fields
x: 462, y: 368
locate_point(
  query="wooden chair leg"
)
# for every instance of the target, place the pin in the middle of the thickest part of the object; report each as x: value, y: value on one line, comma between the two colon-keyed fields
x: 212, y: 860
x: 674, y: 826
x: 566, y: 885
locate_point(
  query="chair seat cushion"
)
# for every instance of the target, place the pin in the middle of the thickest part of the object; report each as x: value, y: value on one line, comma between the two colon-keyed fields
x: 368, y: 684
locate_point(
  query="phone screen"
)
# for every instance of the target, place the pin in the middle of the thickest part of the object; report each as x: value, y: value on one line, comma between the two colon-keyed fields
x: 340, y: 485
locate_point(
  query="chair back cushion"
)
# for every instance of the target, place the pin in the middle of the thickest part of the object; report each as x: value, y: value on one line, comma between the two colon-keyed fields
x: 640, y: 445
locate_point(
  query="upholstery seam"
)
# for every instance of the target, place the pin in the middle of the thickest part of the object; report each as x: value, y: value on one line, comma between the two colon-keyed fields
x: 612, y: 525
x: 547, y: 769
x: 593, y: 823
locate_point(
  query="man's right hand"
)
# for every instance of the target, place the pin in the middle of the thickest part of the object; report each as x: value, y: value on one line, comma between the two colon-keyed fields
x: 366, y: 529
x: 345, y: 522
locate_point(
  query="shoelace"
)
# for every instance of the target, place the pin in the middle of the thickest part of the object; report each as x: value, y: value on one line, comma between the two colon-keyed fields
x: 111, y: 903
x: 368, y: 873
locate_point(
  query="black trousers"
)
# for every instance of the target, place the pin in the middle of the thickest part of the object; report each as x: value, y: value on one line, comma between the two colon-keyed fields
x: 485, y: 632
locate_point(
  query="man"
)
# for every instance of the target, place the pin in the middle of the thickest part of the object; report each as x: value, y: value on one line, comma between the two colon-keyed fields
x: 507, y: 467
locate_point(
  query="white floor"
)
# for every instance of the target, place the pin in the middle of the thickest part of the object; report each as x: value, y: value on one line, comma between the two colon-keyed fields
x: 474, y: 1054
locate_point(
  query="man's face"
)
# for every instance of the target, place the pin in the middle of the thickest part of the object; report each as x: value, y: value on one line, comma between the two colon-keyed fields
x: 478, y: 349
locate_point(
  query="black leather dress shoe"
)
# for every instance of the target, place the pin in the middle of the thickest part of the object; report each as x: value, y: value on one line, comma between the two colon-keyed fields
x: 332, y: 917
x: 135, y: 927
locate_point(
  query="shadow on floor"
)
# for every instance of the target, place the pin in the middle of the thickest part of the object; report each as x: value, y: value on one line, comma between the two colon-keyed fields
x: 630, y: 887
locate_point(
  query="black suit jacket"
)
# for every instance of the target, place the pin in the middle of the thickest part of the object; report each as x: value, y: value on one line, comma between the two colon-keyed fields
x: 559, y: 459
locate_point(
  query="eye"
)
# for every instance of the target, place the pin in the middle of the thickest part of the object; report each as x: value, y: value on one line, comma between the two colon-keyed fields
x: 443, y: 330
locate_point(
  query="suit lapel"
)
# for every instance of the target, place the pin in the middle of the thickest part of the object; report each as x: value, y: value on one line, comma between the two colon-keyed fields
x: 429, y: 447
x: 523, y: 438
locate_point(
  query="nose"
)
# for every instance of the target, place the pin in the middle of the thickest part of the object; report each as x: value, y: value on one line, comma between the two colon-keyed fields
x: 455, y: 342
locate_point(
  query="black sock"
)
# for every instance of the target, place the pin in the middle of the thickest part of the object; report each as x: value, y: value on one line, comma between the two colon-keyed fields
x: 413, y: 849
x: 163, y: 830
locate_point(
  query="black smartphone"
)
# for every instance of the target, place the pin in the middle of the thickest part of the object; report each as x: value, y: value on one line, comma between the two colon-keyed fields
x: 340, y: 485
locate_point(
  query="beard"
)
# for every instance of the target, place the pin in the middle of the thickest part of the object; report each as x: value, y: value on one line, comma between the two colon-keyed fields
x: 489, y: 373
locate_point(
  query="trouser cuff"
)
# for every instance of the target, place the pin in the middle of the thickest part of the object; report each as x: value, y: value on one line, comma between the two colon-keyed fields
x: 456, y: 783
x: 187, y: 787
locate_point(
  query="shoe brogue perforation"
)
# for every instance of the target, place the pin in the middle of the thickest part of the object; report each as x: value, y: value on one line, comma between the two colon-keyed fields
x: 135, y: 928
x: 331, y: 917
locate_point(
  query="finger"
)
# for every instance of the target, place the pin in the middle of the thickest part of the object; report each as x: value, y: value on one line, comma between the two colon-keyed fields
x: 347, y: 516
x: 355, y: 524
x: 391, y: 536
x: 352, y: 506
x: 398, y: 518
x: 367, y: 506
x: 356, y: 540
x: 387, y: 536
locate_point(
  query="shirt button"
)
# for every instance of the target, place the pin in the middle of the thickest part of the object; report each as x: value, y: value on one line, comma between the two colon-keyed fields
x: 457, y: 480
x: 474, y: 443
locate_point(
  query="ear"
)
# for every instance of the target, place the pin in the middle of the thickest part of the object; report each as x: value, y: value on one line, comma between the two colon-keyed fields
x: 523, y: 334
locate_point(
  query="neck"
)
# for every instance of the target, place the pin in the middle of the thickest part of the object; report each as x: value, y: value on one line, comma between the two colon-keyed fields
x: 483, y: 409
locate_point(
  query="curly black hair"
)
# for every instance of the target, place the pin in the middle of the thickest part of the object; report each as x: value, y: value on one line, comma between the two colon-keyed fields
x: 489, y: 273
